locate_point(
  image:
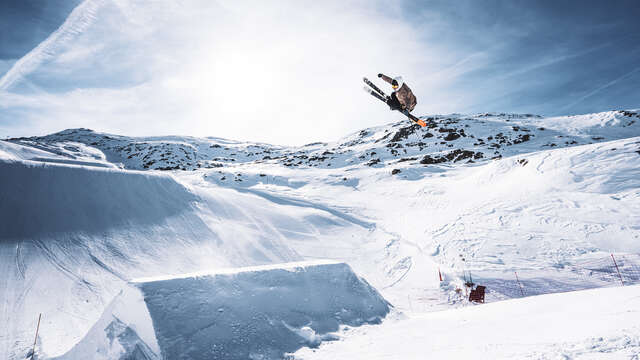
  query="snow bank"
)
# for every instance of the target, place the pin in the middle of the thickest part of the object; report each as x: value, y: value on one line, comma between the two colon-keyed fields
x: 590, y: 324
x: 62, y: 153
x: 257, y: 312
x: 124, y: 331
x: 39, y: 199
x: 71, y: 236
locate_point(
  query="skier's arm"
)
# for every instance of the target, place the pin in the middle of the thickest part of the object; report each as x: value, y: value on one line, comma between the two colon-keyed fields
x: 385, y: 78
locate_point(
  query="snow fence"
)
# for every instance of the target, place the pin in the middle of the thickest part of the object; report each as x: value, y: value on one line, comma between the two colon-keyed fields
x: 247, y: 313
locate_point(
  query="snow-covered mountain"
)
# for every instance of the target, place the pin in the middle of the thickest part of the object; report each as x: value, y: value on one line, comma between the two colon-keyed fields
x: 446, y: 139
x: 83, y: 212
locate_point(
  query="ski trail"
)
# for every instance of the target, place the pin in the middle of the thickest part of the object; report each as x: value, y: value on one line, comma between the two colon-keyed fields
x: 7, y: 289
x: 19, y: 260
x: 52, y: 258
x: 401, y: 277
x: 15, y: 289
x: 279, y: 199
x: 107, y: 268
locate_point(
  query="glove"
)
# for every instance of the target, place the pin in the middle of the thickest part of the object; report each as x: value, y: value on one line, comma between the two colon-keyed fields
x: 379, y: 75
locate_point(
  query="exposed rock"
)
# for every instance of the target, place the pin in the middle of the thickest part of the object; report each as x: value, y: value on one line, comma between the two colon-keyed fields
x: 373, y: 162
x: 404, y: 132
x: 452, y: 136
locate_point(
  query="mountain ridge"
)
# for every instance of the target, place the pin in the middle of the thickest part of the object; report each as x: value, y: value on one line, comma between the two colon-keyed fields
x: 447, y: 139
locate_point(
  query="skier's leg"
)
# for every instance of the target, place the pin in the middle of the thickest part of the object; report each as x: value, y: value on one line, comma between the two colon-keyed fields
x: 393, y: 103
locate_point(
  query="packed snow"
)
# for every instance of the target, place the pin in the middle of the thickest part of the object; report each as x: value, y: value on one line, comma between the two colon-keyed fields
x: 260, y: 312
x: 589, y: 324
x: 486, y: 196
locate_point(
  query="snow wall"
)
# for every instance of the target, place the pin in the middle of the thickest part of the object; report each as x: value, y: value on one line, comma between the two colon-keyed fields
x: 71, y: 237
x: 259, y: 312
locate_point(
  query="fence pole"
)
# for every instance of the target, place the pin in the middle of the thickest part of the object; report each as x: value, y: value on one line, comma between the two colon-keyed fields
x: 440, y: 274
x: 519, y: 285
x: 617, y: 269
x: 33, y: 351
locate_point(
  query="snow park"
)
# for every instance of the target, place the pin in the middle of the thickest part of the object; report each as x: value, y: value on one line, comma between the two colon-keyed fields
x: 207, y: 180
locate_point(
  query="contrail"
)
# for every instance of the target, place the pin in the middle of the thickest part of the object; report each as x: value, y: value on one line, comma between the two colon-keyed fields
x: 597, y: 90
x: 79, y: 20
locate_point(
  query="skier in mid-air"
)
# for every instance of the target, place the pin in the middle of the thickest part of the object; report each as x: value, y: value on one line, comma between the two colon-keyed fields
x: 401, y: 99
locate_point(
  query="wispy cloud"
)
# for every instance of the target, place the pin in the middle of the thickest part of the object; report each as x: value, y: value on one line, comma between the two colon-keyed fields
x: 546, y: 61
x: 78, y: 21
x: 598, y: 89
x: 289, y: 71
x: 249, y: 70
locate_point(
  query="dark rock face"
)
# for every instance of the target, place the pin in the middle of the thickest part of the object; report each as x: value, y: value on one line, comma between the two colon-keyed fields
x: 454, y: 156
x: 395, y: 171
x: 522, y: 138
x: 404, y: 132
x: 629, y: 113
x: 373, y: 162
x: 458, y: 155
x: 452, y: 136
x: 428, y: 160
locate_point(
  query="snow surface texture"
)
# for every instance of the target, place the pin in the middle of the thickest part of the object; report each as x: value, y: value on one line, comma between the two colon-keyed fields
x: 74, y: 235
x: 396, y: 202
x: 258, y: 314
x: 247, y: 313
x: 124, y: 331
x: 589, y: 324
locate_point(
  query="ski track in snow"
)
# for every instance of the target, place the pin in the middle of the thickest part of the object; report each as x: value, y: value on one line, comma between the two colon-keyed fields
x: 278, y: 199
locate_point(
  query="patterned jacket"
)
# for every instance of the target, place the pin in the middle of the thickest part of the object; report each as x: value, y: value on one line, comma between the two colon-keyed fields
x: 404, y: 94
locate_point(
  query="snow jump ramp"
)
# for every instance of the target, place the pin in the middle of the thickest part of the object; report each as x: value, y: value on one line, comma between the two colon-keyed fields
x: 258, y: 312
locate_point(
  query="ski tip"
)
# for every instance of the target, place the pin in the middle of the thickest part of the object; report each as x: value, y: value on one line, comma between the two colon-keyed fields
x: 421, y: 123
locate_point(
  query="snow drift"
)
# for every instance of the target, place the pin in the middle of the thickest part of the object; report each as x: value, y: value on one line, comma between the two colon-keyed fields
x: 588, y: 324
x: 72, y: 236
x: 86, y: 230
x: 247, y: 313
x: 397, y: 202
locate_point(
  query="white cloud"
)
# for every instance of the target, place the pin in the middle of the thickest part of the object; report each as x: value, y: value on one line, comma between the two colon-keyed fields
x: 283, y: 72
x: 78, y: 21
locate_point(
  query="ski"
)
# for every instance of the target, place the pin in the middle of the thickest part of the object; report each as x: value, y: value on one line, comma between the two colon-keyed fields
x: 373, y: 86
x: 414, y: 118
x: 375, y: 94
x: 382, y: 98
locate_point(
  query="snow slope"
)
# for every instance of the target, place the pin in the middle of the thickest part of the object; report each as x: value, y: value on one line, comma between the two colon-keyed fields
x: 398, y: 203
x: 540, y: 214
x: 74, y: 235
x: 257, y: 312
x: 447, y: 139
x: 589, y: 324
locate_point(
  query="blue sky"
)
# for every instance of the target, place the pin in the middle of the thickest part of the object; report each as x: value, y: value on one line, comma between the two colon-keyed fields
x: 289, y: 72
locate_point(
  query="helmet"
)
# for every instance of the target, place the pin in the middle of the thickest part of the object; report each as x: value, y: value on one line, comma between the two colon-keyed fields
x: 397, y: 82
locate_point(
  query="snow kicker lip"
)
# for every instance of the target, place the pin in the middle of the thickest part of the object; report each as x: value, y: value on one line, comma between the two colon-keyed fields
x: 291, y: 266
x: 260, y: 312
x: 263, y: 311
